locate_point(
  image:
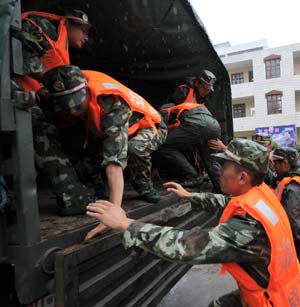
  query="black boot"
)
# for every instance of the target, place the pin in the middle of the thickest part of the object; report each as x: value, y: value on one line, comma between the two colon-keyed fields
x: 151, y: 196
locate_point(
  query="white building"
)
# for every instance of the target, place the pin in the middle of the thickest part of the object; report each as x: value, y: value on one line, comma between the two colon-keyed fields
x: 265, y: 89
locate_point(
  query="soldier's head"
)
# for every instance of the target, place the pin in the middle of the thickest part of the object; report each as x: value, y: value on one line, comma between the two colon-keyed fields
x: 244, y: 164
x: 204, y: 83
x: 264, y: 139
x: 78, y: 27
x: 285, y: 159
x: 68, y: 92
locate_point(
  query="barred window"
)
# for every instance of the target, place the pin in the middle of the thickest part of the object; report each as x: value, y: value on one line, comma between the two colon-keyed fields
x: 274, y: 103
x: 237, y: 78
x: 272, y: 68
x: 239, y: 110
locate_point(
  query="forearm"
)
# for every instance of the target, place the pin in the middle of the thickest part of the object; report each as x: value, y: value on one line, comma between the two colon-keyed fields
x: 114, y: 173
x: 209, y: 201
x: 198, y: 245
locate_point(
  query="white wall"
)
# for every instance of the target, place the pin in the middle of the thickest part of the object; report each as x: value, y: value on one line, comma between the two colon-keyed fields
x: 288, y: 83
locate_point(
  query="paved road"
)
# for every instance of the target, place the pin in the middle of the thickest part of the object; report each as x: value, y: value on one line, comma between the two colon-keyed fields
x: 198, y: 287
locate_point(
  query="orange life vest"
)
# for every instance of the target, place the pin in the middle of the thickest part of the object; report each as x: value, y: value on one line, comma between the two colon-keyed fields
x: 29, y: 84
x: 58, y: 54
x: 189, y: 103
x: 102, y: 84
x: 283, y: 183
x: 284, y: 285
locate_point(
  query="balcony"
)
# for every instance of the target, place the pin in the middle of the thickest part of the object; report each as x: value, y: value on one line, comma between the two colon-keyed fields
x: 244, y: 123
x: 242, y: 90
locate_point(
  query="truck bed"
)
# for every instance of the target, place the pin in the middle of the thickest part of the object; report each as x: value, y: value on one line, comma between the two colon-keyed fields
x: 52, y: 225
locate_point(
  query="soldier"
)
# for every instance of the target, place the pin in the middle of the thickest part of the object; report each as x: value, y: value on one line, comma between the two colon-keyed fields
x: 46, y: 39
x: 264, y: 139
x: 95, y: 113
x: 190, y: 124
x: 253, y: 239
x: 287, y: 167
x: 260, y: 138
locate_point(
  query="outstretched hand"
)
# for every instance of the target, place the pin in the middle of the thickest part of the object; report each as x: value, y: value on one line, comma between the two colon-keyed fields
x: 217, y: 145
x: 177, y: 189
x: 111, y: 215
x: 101, y: 228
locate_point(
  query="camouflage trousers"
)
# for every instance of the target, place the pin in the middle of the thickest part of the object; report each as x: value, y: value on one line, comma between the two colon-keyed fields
x: 75, y: 172
x: 185, y: 138
x: 140, y: 148
x: 231, y: 299
x: 72, y: 172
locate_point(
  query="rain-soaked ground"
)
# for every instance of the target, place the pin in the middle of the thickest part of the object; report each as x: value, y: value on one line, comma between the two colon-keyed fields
x: 198, y: 287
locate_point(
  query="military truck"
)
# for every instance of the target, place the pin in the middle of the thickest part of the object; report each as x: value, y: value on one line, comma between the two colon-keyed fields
x: 150, y: 46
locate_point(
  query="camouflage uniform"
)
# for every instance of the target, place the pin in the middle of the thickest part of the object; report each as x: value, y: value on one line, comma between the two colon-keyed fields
x: 291, y: 194
x: 54, y: 163
x: 34, y: 44
x: 87, y: 153
x: 266, y: 140
x: 138, y: 148
x: 239, y: 239
x: 197, y: 127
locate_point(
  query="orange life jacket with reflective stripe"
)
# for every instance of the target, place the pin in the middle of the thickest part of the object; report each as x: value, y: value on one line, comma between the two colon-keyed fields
x: 283, y: 183
x: 102, y: 84
x: 284, y: 285
x: 58, y: 54
x: 189, y: 103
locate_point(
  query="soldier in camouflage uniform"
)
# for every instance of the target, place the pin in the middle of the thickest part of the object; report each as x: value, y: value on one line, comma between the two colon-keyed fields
x: 260, y: 138
x: 266, y: 140
x: 36, y: 32
x: 197, y: 126
x: 240, y: 238
x: 287, y: 166
x: 67, y: 107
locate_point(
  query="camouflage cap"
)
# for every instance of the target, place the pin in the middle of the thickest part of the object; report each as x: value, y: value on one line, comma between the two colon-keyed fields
x: 67, y: 87
x: 248, y: 154
x: 207, y: 79
x: 78, y: 17
x: 263, y: 139
x: 286, y: 153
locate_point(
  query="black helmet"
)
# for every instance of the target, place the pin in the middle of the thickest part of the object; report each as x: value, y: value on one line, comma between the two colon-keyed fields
x: 207, y: 79
x: 78, y: 17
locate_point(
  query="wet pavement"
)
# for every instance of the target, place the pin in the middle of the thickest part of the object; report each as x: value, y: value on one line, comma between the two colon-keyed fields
x: 198, y: 287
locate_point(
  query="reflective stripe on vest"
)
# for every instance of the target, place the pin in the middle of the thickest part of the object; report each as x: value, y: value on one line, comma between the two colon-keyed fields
x: 284, y: 283
x: 267, y: 212
x: 58, y: 54
x: 283, y: 183
x: 102, y: 84
x: 189, y: 103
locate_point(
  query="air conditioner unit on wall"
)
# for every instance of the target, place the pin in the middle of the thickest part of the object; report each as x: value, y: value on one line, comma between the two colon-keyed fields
x: 252, y: 111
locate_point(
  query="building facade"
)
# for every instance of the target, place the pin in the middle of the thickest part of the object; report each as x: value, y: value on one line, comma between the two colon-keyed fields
x: 265, y: 84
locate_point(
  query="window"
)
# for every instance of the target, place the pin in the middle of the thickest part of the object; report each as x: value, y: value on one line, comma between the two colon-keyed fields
x: 239, y: 110
x: 237, y: 78
x: 250, y: 75
x: 274, y: 103
x: 272, y: 63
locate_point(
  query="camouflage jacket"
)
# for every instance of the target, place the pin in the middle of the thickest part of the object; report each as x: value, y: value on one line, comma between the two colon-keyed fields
x: 34, y: 43
x: 114, y: 123
x: 240, y: 239
x: 291, y: 203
